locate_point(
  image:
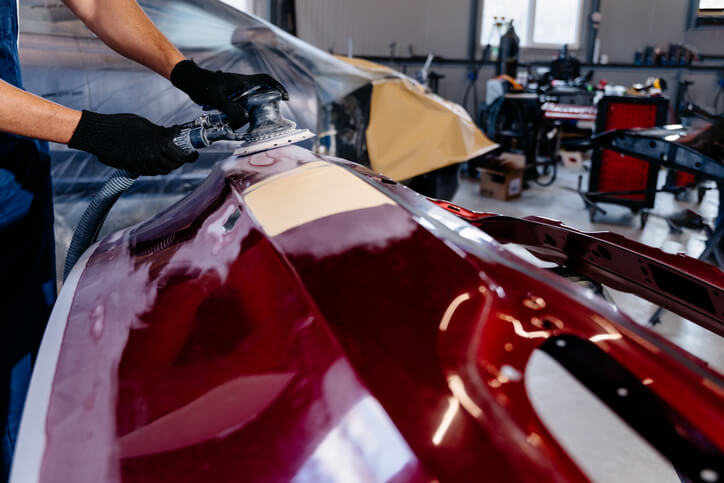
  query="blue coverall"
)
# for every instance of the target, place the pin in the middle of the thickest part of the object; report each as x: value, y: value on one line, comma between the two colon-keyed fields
x: 27, y: 258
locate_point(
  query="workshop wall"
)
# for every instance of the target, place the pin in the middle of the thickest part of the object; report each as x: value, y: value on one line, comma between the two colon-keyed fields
x: 443, y: 28
x: 427, y: 25
x: 628, y: 26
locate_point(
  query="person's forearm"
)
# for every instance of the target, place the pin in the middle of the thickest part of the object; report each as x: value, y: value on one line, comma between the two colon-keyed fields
x: 124, y: 27
x: 29, y: 115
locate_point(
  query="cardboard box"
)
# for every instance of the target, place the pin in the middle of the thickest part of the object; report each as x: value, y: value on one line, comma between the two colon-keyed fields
x: 502, y: 177
x: 572, y: 159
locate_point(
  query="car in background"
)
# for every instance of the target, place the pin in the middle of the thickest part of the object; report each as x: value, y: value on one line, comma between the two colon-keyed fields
x: 361, y: 111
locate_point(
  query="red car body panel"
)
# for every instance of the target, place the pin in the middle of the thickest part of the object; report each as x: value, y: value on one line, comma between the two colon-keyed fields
x: 684, y: 285
x: 387, y: 341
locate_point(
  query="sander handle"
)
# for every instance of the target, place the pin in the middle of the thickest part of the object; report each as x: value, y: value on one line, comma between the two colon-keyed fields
x: 196, y: 134
x: 203, y: 131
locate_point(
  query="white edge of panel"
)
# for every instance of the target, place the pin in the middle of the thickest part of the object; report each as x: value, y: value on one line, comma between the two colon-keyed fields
x: 31, y: 437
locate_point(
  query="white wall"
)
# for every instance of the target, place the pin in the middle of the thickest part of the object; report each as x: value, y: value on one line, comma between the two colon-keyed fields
x: 629, y: 25
x: 429, y: 25
x: 442, y: 27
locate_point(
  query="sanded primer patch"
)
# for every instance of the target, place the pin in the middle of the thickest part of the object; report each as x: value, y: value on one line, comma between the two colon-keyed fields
x: 310, y: 192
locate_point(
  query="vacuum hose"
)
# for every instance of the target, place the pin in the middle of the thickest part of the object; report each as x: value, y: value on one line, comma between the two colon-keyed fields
x: 90, y: 223
x: 197, y: 134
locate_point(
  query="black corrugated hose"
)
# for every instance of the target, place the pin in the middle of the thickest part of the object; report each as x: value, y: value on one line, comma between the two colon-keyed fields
x: 95, y: 214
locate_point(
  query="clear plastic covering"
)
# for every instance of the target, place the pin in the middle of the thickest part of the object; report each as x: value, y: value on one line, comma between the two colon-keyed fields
x: 64, y: 62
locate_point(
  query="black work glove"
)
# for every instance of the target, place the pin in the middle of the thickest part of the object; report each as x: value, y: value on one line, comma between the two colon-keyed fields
x: 220, y: 90
x: 130, y: 142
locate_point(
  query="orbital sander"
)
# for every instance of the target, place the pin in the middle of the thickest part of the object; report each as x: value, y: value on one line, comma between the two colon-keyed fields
x: 268, y: 129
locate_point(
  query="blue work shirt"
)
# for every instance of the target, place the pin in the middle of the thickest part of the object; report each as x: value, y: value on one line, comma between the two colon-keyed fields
x: 14, y: 200
x: 9, y: 63
x: 27, y: 250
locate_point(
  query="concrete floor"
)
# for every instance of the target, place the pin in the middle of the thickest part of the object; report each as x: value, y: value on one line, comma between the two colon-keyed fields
x: 602, y: 444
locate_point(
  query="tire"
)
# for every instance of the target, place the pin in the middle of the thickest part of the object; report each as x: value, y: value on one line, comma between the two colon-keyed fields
x: 546, y: 174
x: 441, y: 183
x: 546, y: 148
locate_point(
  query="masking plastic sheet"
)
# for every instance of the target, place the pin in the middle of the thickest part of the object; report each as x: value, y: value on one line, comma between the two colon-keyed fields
x: 64, y: 62
x: 438, y: 133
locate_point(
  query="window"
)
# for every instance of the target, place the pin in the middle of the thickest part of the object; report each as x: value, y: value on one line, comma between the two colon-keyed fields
x: 538, y: 23
x: 711, y: 5
x: 243, y: 5
x: 707, y: 12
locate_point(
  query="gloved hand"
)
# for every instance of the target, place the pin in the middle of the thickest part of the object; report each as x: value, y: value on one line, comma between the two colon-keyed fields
x: 130, y: 142
x: 219, y: 90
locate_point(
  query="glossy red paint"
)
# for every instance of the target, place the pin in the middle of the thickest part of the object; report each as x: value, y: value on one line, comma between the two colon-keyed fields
x: 371, y: 342
x: 689, y: 287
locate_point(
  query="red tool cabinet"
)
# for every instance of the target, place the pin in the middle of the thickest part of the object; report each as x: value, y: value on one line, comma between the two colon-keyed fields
x: 615, y: 177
